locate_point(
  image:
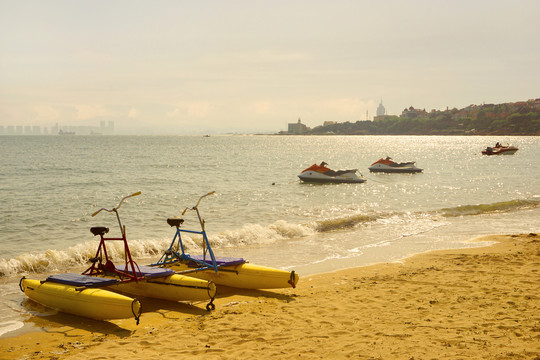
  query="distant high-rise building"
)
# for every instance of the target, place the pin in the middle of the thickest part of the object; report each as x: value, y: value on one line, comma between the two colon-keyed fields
x: 381, y: 110
x: 381, y: 113
x: 105, y: 128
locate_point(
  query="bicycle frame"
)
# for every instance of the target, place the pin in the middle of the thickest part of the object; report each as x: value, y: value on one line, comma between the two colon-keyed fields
x: 172, y: 254
x: 101, y: 264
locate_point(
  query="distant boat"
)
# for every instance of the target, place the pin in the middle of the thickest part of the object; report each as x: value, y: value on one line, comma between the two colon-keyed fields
x: 61, y: 132
x: 499, y: 149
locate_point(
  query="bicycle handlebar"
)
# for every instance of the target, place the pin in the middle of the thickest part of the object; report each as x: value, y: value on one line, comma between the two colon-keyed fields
x: 195, y: 207
x: 120, y: 204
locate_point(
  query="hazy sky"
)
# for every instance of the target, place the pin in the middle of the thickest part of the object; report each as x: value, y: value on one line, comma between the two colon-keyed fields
x: 254, y: 66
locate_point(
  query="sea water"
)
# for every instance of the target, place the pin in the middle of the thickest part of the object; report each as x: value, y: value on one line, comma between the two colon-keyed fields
x: 51, y: 185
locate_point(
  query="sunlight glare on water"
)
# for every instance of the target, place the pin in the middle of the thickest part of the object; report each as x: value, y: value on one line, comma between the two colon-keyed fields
x: 51, y: 185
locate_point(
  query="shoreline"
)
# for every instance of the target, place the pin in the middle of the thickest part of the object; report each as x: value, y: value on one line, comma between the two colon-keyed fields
x: 479, y: 302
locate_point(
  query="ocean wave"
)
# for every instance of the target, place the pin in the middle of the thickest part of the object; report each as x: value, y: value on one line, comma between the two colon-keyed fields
x: 8, y: 326
x: 349, y: 221
x: 76, y: 256
x: 258, y: 234
x: 479, y: 209
x: 252, y: 234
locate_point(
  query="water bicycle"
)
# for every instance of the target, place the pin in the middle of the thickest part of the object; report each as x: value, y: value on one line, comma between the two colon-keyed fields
x: 94, y: 293
x: 233, y: 272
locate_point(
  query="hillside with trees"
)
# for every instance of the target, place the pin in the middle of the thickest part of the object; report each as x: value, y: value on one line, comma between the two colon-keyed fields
x: 519, y: 118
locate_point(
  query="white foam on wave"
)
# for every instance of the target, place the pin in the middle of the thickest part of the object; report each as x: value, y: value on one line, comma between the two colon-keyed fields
x: 251, y: 234
x: 337, y: 257
x: 372, y: 245
x: 78, y: 255
x: 247, y: 235
x: 49, y: 260
x: 9, y: 326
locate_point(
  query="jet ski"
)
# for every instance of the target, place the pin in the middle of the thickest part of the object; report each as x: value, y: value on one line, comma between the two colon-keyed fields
x: 499, y: 149
x: 322, y: 174
x: 389, y: 166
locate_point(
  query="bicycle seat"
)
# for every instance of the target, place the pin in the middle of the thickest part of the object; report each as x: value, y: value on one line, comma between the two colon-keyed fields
x: 99, y: 230
x: 175, y: 221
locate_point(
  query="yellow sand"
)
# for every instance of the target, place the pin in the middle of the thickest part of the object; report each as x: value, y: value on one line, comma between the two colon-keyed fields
x: 481, y: 303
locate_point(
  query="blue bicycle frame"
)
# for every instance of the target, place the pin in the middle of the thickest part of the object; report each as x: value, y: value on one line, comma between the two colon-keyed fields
x: 171, y: 254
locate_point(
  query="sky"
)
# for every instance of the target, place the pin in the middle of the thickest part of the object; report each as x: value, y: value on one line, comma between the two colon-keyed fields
x: 248, y: 66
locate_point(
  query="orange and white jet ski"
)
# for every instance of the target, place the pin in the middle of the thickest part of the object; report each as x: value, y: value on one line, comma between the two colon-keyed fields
x: 388, y: 166
x: 322, y: 174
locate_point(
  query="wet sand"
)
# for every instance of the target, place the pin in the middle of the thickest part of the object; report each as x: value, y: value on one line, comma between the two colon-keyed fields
x: 479, y: 303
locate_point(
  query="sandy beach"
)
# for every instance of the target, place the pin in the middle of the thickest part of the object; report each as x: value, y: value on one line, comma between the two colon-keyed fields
x: 479, y: 303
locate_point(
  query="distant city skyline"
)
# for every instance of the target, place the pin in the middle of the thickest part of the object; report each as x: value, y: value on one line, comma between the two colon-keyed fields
x: 105, y: 128
x: 178, y: 67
